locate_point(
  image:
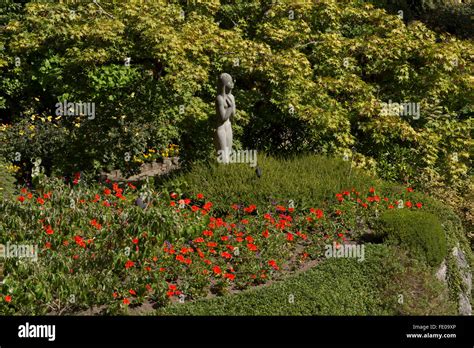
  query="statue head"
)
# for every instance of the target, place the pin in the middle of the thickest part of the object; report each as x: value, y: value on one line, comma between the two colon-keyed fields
x: 225, y: 83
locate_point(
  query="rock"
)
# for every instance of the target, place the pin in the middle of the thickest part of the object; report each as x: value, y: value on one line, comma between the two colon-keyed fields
x: 465, y: 307
x: 441, y: 272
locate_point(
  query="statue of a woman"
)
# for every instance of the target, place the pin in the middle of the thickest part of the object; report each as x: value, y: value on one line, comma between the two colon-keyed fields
x: 225, y: 107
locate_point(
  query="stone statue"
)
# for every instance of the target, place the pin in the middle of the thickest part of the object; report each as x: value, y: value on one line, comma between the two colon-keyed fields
x: 225, y: 107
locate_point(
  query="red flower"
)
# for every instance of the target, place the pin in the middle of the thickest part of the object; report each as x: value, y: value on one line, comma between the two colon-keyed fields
x: 419, y: 205
x: 129, y: 264
x: 212, y: 244
x: 107, y: 192
x: 49, y: 230
x: 409, y: 189
x: 289, y: 237
x: 8, y: 298
x: 217, y: 270
x: 199, y: 240
x: 47, y: 245
x: 229, y: 276
x: 280, y: 208
x: 249, y: 239
x: 29, y: 195
x: 126, y: 301
x: 133, y: 187
x: 371, y: 190
x: 245, y: 221
x: 252, y: 247
x: 318, y: 212
x: 24, y: 190
x: 135, y: 240
x: 40, y: 200
x: 226, y: 255
x: 391, y: 207
x: 207, y: 233
x: 207, y: 206
x: 173, y: 195
x: 194, y: 208
x: 132, y: 292
x: 187, y: 201
x: 199, y: 196
x: 47, y: 195
x: 408, y: 204
x: 250, y: 208
x: 172, y: 204
x: 265, y: 234
x: 273, y: 264
x: 225, y: 238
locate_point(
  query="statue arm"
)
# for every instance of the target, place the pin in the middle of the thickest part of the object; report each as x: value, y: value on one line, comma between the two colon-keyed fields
x: 222, y: 111
x: 232, y: 107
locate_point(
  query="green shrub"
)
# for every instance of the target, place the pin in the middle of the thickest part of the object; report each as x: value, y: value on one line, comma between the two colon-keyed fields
x: 306, y: 180
x: 420, y: 232
x: 313, y: 84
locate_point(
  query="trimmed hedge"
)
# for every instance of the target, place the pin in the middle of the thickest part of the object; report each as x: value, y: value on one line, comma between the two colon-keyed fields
x: 420, y: 232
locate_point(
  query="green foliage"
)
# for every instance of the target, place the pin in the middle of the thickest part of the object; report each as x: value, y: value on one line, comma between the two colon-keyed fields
x: 307, y: 180
x: 453, y: 16
x: 308, y: 80
x: 7, y: 181
x: 339, y: 287
x: 419, y: 232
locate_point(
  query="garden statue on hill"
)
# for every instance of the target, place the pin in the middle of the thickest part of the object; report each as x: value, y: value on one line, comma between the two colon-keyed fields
x: 225, y: 107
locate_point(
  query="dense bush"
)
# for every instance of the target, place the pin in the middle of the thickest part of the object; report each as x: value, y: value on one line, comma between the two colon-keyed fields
x: 309, y: 77
x: 420, y: 232
x: 453, y: 16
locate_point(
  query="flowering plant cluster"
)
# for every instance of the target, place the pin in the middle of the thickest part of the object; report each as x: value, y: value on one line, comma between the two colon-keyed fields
x: 99, y: 248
